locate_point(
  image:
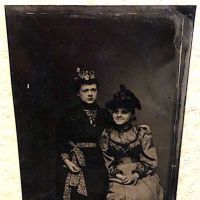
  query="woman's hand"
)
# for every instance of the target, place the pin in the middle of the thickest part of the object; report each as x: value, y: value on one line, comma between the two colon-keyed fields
x: 131, y: 179
x: 72, y: 167
x: 120, y: 176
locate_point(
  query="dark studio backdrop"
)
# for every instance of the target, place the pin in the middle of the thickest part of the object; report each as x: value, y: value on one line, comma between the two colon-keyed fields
x: 146, y: 48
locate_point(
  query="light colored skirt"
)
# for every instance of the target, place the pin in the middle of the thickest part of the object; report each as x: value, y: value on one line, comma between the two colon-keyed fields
x: 147, y: 188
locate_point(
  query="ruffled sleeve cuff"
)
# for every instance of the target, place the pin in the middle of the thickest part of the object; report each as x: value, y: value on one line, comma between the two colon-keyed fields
x: 141, y: 169
x: 113, y: 171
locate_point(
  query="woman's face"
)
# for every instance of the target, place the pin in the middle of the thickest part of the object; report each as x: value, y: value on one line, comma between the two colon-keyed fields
x: 88, y: 93
x: 121, y: 116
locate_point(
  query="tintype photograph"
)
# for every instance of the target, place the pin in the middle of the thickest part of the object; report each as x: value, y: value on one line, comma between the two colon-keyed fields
x: 99, y: 95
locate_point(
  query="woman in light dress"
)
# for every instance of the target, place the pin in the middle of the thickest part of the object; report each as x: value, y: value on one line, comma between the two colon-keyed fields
x: 129, y: 152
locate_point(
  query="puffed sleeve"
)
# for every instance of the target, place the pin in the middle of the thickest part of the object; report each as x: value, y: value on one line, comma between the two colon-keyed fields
x: 107, y: 154
x: 148, y: 155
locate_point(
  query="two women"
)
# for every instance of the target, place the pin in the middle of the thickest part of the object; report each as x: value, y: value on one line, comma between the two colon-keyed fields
x: 128, y: 151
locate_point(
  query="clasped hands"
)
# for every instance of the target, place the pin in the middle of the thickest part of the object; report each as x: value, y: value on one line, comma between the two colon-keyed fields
x: 128, y: 179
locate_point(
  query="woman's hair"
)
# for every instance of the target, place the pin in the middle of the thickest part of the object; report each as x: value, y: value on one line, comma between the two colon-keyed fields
x: 78, y: 83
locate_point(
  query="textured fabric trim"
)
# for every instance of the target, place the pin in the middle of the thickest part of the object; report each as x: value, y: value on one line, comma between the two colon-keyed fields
x: 86, y: 145
x: 75, y: 179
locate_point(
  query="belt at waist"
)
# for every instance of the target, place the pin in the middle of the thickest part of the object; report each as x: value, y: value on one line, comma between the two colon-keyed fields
x: 86, y: 144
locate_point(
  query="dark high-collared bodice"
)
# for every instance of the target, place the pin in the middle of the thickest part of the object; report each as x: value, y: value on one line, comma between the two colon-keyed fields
x: 80, y: 128
x: 84, y: 125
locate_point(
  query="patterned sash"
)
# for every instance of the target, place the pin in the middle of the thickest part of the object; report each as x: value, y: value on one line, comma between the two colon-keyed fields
x: 76, y: 179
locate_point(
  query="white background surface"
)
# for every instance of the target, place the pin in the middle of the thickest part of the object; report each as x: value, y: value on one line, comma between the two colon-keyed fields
x: 189, y: 174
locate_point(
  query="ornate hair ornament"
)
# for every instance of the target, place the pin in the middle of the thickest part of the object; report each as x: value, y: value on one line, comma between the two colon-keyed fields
x: 85, y: 74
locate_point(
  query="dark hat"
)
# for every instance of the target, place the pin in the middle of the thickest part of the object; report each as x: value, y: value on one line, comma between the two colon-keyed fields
x: 124, y: 98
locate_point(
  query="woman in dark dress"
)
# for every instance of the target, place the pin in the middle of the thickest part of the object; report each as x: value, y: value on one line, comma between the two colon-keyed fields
x: 87, y: 177
x: 129, y: 152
